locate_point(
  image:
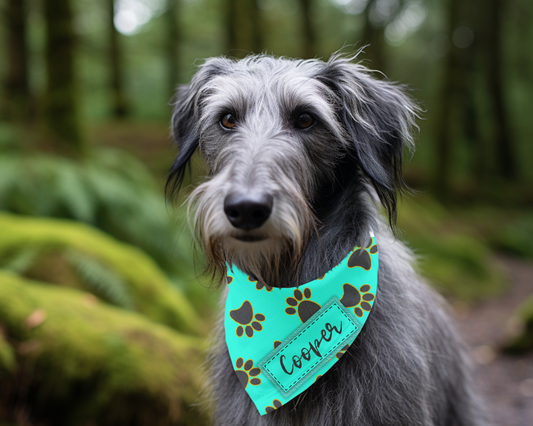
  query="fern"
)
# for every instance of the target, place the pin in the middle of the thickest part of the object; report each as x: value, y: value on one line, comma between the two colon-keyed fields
x: 101, y: 280
x: 112, y: 191
x: 21, y: 260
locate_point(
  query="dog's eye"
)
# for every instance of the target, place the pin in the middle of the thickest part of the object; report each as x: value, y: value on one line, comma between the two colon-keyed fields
x: 304, y: 121
x: 228, y: 121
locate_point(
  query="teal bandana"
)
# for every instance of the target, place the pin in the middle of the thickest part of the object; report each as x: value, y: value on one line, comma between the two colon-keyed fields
x: 282, y: 340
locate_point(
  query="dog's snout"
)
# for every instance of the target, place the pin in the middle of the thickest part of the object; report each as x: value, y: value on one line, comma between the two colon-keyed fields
x: 248, y: 210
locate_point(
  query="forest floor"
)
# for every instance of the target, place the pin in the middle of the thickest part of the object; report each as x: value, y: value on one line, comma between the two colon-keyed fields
x: 506, y: 381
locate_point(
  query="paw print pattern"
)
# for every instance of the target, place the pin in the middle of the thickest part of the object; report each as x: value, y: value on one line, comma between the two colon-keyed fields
x: 229, y: 279
x: 247, y: 373
x: 357, y: 299
x: 339, y: 354
x: 258, y: 285
x: 275, y: 405
x: 361, y: 257
x: 245, y: 317
x: 305, y: 308
x: 277, y: 343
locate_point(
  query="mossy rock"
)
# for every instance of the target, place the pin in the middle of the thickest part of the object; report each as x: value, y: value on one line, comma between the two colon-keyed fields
x: 76, y: 255
x: 7, y: 356
x: 523, y: 316
x: 92, y: 363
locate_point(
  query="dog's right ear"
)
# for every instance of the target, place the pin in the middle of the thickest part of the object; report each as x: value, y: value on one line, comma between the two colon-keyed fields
x: 185, y: 120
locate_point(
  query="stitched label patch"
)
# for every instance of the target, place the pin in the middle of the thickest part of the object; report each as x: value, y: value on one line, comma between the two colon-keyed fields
x: 310, y: 346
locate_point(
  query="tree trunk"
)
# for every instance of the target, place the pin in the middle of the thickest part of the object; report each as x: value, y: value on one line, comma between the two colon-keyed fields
x: 61, y: 112
x: 243, y: 27
x: 257, y: 26
x: 172, y: 45
x: 374, y: 39
x: 309, y: 39
x: 504, y: 140
x: 444, y: 136
x: 232, y: 29
x: 118, y: 98
x: 18, y: 98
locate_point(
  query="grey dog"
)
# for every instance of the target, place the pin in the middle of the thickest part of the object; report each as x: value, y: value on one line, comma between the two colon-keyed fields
x: 301, y: 154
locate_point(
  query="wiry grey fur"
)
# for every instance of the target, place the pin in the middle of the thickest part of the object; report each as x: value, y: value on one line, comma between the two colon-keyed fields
x: 407, y: 367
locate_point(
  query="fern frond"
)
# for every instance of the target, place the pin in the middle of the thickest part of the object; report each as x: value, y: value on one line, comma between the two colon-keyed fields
x: 102, y: 281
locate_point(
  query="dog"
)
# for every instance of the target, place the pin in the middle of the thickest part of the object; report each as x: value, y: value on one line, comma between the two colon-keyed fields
x: 304, y: 160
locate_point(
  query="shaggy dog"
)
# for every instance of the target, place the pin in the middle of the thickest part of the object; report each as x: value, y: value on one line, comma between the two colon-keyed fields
x: 301, y: 155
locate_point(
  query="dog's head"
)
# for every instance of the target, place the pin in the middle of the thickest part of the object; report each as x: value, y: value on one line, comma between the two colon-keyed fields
x: 272, y: 132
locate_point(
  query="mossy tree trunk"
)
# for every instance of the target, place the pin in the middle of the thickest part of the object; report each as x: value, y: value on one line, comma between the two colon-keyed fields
x: 308, y: 33
x: 60, y: 104
x: 118, y: 98
x: 16, y: 86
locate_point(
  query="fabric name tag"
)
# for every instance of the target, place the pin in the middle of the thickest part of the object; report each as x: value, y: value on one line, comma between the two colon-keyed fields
x: 311, y: 345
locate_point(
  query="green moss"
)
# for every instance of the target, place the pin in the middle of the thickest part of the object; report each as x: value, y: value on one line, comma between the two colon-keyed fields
x: 523, y: 342
x: 454, y: 261
x: 515, y: 237
x: 93, y: 360
x: 7, y: 356
x: 56, y: 242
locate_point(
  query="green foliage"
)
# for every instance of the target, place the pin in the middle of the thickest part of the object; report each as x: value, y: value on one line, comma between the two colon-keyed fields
x: 7, y: 355
x: 112, y: 191
x: 100, y: 279
x: 515, y: 237
x: 76, y: 255
x: 523, y: 316
x: 455, y: 262
x: 94, y: 363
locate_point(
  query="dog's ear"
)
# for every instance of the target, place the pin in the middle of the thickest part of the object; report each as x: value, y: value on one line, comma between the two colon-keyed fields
x: 378, y: 118
x: 185, y: 120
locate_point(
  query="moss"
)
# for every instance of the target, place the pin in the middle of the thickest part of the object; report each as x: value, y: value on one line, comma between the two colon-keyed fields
x: 523, y: 341
x: 91, y: 360
x: 454, y: 261
x: 515, y: 237
x: 152, y: 294
x: 7, y: 356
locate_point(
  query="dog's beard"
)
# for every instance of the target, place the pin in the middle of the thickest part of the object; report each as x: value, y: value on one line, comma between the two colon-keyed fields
x: 273, y: 257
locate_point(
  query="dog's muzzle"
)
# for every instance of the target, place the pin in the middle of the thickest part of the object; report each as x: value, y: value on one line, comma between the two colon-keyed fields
x: 248, y: 210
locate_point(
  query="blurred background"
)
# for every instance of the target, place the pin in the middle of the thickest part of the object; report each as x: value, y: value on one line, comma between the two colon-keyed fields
x: 103, y: 318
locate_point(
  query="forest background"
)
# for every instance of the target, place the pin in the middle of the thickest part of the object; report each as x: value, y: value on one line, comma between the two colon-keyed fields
x: 103, y: 314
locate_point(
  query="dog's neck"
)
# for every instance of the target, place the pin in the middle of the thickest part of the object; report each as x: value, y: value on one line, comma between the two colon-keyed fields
x: 345, y: 215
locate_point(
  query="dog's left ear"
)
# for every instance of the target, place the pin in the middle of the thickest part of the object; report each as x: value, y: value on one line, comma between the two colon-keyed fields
x: 378, y: 118
x: 185, y: 119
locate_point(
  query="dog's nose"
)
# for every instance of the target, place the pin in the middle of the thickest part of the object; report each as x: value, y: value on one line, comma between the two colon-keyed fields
x: 247, y: 210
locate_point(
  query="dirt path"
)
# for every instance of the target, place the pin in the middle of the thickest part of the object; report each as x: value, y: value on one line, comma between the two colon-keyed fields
x: 506, y: 381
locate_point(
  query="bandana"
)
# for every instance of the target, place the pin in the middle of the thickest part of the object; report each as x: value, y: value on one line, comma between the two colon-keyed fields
x: 282, y: 340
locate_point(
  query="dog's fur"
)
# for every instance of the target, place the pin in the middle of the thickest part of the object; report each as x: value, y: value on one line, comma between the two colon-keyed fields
x: 407, y: 367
